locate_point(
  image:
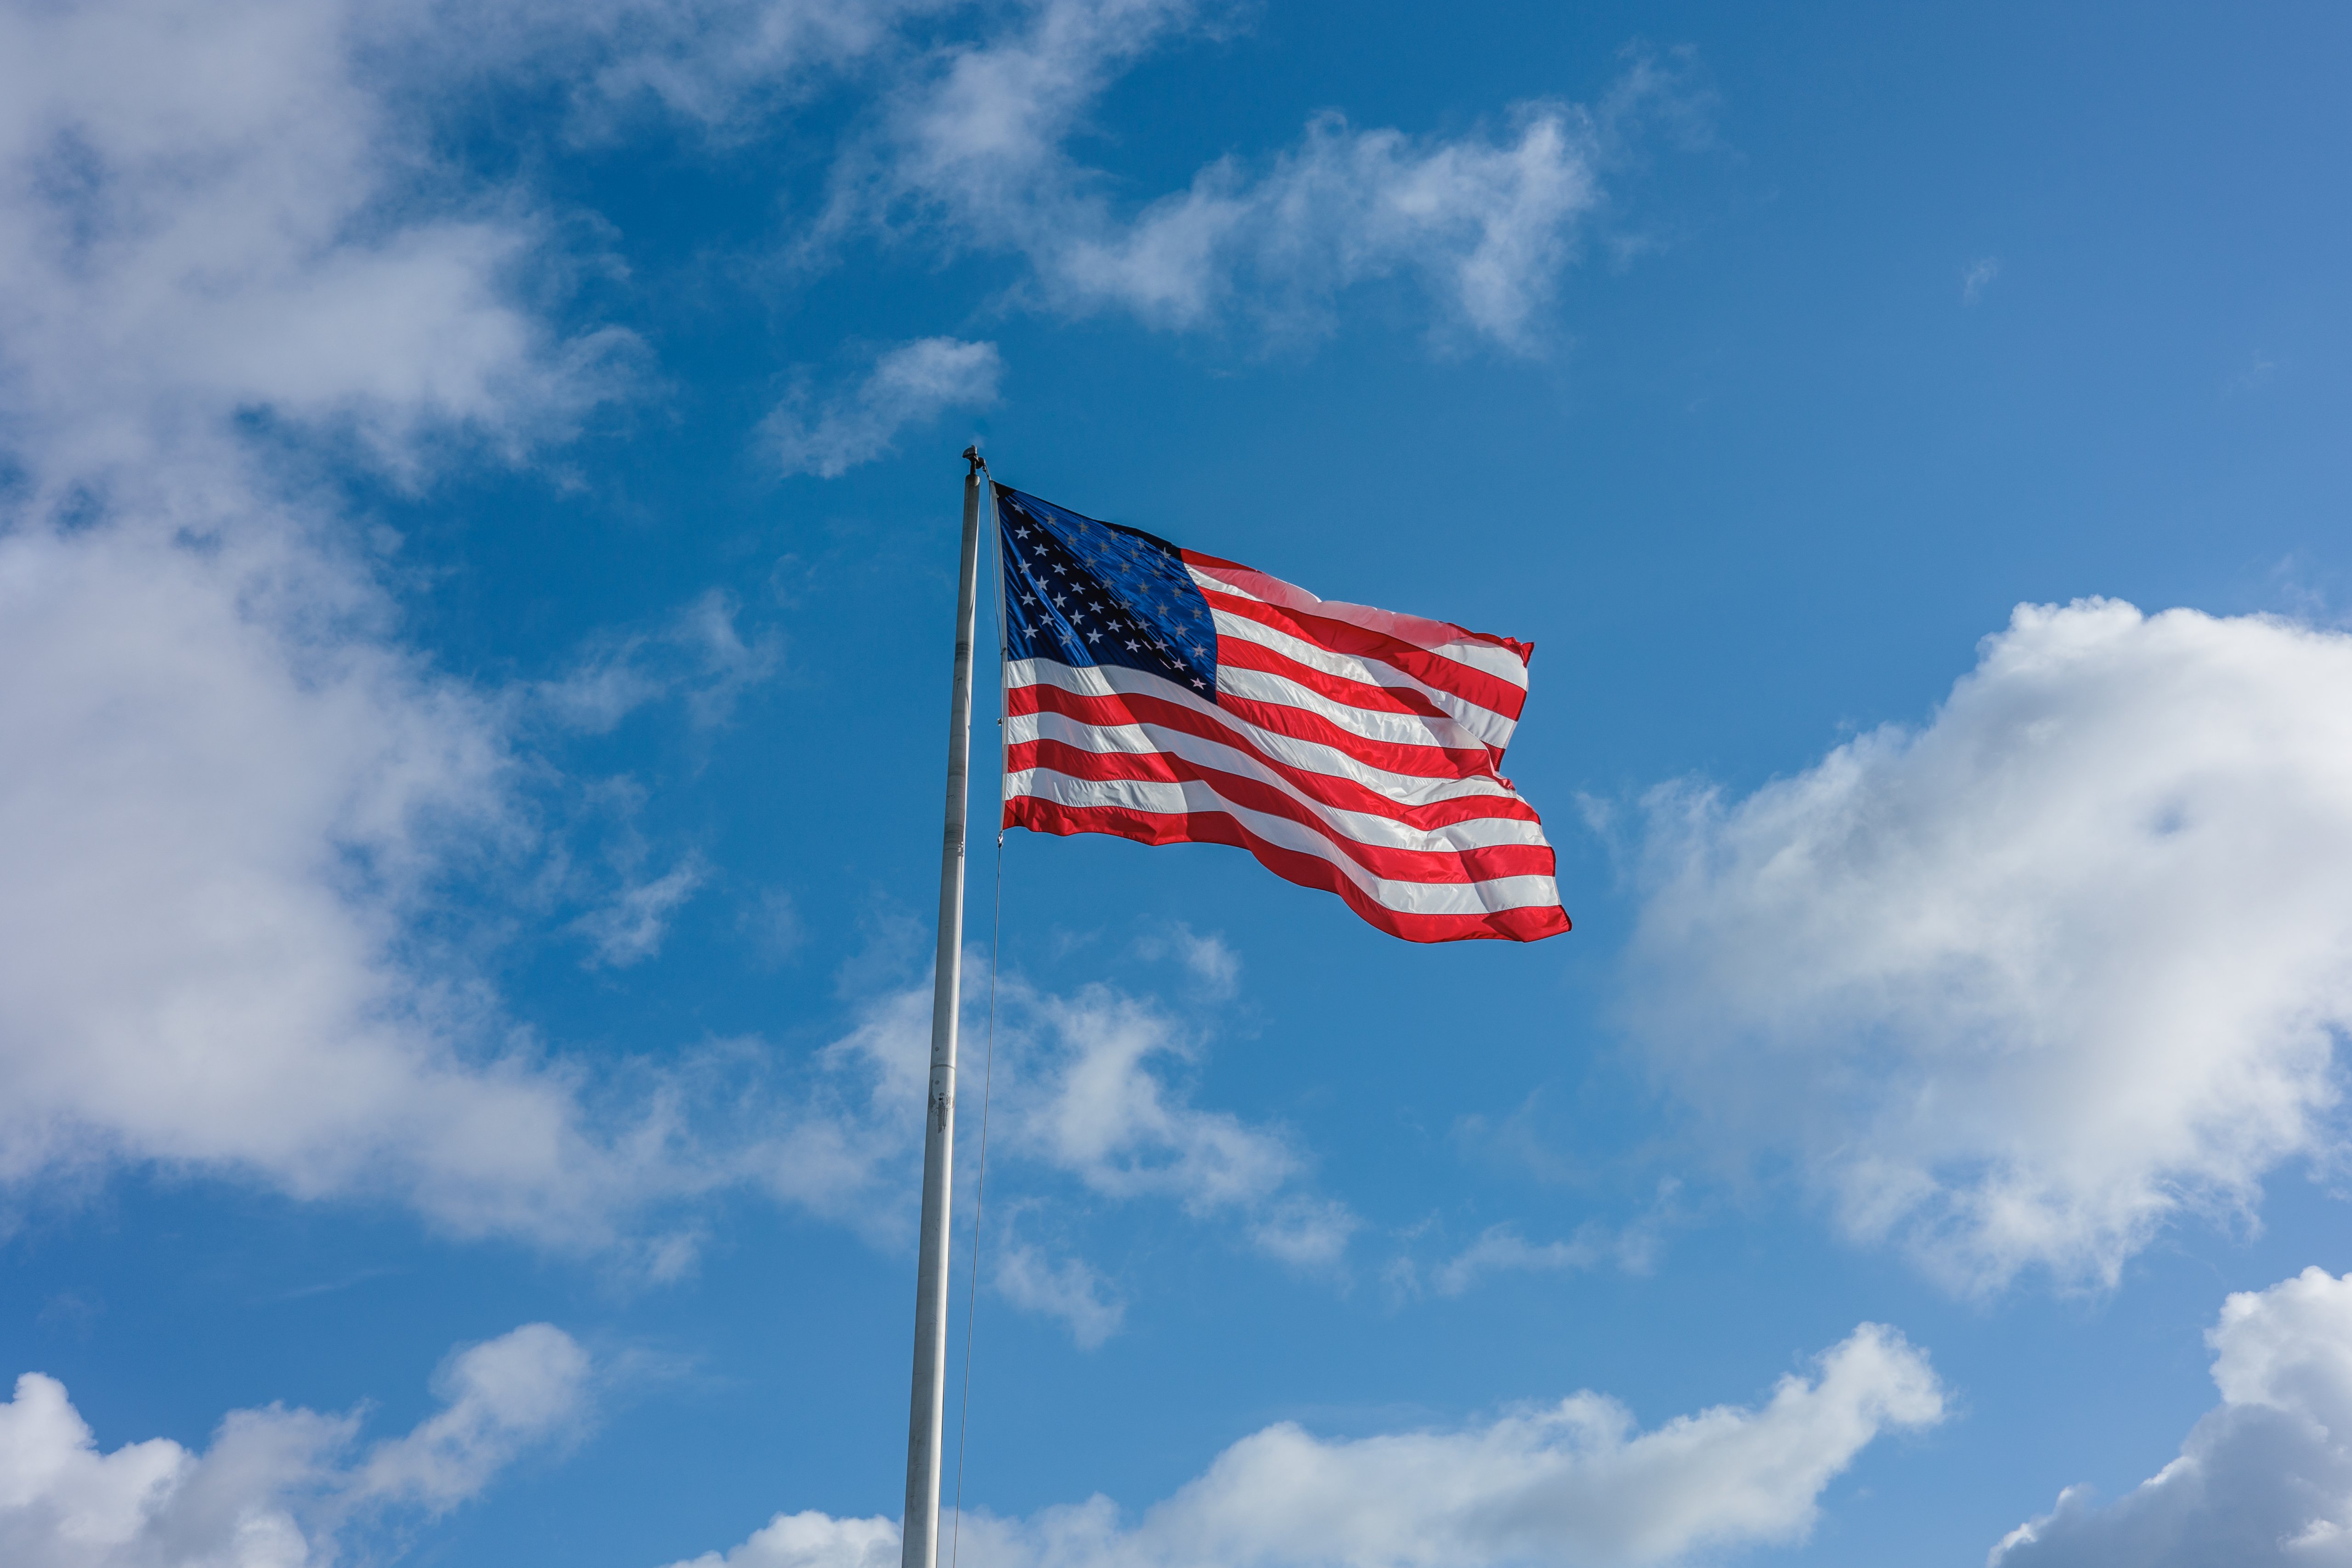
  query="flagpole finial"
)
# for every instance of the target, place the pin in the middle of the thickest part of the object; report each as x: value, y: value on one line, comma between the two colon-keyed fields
x: 979, y: 463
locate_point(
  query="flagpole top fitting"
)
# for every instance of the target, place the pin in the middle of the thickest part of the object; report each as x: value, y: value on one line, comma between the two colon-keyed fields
x: 979, y: 463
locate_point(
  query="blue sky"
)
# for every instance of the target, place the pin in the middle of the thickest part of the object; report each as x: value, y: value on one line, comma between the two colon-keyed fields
x: 476, y: 562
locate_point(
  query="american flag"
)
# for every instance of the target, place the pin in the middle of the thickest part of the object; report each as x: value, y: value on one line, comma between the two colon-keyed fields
x: 1171, y: 697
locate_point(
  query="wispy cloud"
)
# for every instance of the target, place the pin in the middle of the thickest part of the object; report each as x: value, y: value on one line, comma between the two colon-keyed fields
x: 1484, y: 222
x: 1089, y: 1106
x: 1978, y: 276
x: 909, y: 385
x: 1063, y: 1288
x: 629, y: 929
x: 702, y: 656
x: 1214, y: 967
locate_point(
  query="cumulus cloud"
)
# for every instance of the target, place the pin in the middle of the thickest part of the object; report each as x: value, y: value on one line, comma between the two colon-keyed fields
x: 2023, y: 984
x: 278, y: 1488
x: 2265, y: 1477
x: 246, y: 787
x: 811, y: 1540
x: 911, y: 385
x: 1571, y: 1485
x: 1484, y: 223
x: 201, y: 889
x: 202, y: 212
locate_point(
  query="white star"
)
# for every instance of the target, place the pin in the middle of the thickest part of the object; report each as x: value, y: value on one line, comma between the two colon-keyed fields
x: 1061, y: 599
x: 1093, y: 636
x: 1198, y: 681
x: 1028, y: 599
x: 1132, y: 646
x: 1021, y: 533
x: 1061, y: 571
x: 1198, y: 652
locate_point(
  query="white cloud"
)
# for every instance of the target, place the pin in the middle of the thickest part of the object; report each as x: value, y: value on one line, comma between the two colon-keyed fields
x: 1310, y: 1233
x: 721, y: 63
x: 1574, y: 1484
x: 1088, y: 1095
x: 1484, y: 222
x: 276, y: 1487
x: 911, y: 385
x: 630, y: 929
x: 1501, y: 1249
x: 203, y: 886
x: 1216, y: 967
x: 1504, y: 1249
x: 198, y: 216
x: 503, y: 1396
x: 811, y: 1540
x: 702, y: 656
x: 2023, y: 984
x: 246, y: 786
x: 1087, y: 1089
x: 2265, y: 1477
x: 1486, y: 225
x: 1065, y: 1288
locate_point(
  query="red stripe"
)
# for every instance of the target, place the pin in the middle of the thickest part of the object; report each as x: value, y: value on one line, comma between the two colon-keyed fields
x: 1241, y: 653
x: 1471, y: 862
x: 1529, y: 923
x: 1388, y: 755
x: 1331, y: 789
x: 1246, y: 578
x: 1446, y: 675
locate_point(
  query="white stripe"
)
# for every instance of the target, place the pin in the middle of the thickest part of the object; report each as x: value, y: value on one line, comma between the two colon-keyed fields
x: 1184, y: 799
x: 1487, y: 726
x: 1364, y: 828
x: 1372, y: 724
x: 1431, y: 636
x: 1312, y: 757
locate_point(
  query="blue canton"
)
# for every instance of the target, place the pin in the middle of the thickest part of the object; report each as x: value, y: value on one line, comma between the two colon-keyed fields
x: 1089, y: 592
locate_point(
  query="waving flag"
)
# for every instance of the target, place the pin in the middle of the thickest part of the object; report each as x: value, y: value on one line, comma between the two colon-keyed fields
x: 1170, y: 697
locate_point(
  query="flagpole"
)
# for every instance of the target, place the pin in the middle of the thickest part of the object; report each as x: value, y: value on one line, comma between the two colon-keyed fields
x: 918, y: 1541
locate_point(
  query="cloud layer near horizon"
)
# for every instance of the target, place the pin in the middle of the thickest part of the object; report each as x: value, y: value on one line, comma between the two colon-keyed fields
x: 2020, y: 985
x: 1573, y: 1485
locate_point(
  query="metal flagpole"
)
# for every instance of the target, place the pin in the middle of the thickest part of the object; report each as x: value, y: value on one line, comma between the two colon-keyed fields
x: 918, y: 1544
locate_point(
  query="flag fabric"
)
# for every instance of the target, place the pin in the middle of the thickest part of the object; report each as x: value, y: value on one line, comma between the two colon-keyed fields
x: 1171, y: 697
